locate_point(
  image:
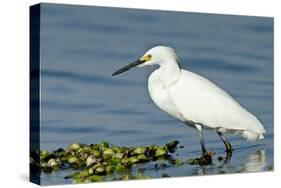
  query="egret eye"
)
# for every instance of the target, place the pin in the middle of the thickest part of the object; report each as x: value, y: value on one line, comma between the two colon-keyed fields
x: 146, y: 57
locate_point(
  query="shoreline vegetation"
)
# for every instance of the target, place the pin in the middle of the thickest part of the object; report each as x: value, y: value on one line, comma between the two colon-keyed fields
x: 98, y: 162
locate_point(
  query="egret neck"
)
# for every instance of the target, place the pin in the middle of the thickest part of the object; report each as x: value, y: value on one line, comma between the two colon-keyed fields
x: 168, y: 72
x: 160, y: 81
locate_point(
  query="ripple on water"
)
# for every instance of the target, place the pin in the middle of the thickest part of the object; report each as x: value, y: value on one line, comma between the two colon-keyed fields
x: 82, y: 102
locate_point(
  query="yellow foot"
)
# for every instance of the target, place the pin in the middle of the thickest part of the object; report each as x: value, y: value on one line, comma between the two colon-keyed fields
x: 203, y: 160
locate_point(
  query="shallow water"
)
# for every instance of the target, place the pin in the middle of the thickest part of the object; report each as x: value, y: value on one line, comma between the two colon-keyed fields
x: 81, y: 102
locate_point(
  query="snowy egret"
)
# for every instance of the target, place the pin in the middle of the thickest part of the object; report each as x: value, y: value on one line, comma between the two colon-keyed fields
x: 195, y: 100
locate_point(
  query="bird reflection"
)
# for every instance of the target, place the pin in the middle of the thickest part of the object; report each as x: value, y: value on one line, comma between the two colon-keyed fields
x: 256, y: 162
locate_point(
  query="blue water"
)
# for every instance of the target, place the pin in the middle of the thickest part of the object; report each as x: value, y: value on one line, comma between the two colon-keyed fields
x: 81, y: 46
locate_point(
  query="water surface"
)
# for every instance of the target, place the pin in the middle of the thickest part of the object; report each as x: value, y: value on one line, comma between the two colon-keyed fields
x: 81, y: 102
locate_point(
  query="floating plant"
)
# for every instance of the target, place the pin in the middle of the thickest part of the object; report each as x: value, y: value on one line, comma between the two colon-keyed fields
x: 94, y: 162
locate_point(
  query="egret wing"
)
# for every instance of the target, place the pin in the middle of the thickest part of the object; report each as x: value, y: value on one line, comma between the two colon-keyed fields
x: 201, y: 101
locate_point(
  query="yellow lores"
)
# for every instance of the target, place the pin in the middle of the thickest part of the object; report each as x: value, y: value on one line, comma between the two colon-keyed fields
x: 146, y: 58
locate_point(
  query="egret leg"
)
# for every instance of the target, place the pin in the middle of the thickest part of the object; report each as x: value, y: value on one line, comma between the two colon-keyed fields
x: 202, y: 142
x: 226, y: 143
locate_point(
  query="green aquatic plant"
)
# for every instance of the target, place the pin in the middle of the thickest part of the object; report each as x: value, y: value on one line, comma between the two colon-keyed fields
x: 97, y: 162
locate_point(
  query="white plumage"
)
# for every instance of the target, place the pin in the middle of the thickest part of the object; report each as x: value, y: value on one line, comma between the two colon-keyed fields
x: 194, y: 99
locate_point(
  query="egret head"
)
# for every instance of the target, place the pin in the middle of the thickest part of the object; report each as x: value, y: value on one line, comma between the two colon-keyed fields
x: 155, y: 56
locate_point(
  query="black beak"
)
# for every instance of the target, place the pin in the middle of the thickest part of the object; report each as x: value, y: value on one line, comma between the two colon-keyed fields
x: 127, y: 67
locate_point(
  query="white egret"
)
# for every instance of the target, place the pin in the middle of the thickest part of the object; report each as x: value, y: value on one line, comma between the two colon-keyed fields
x: 195, y: 100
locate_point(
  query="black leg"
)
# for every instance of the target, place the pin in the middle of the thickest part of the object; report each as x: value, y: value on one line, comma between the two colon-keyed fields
x: 226, y: 143
x: 202, y: 142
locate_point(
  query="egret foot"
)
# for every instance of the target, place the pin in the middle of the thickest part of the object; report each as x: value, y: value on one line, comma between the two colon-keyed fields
x: 204, y: 160
x: 225, y: 159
